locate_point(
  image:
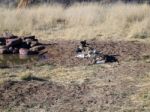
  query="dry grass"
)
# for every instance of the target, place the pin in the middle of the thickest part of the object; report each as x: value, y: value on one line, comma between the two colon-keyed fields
x: 61, y: 75
x: 118, y: 21
x: 143, y: 95
x: 117, y: 80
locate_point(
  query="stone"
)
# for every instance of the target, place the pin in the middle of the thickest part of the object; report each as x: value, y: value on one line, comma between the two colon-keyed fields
x: 34, y: 43
x: 11, y: 37
x: 24, y: 45
x: 2, y: 46
x: 11, y: 49
x: 29, y: 37
x: 37, y: 48
x: 33, y: 52
x: 4, y: 51
x: 15, y: 51
x: 13, y: 42
x: 28, y: 45
x: 2, y: 41
x: 8, y: 35
x: 23, y: 51
x: 28, y: 41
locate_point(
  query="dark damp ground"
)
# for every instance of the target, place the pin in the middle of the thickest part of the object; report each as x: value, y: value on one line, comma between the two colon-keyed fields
x: 12, y: 60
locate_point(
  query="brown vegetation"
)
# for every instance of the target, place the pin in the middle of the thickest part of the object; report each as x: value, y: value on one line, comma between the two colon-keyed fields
x: 80, y: 21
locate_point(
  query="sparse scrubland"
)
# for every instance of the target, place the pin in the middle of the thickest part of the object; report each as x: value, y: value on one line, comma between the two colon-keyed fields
x: 64, y: 83
x: 79, y: 21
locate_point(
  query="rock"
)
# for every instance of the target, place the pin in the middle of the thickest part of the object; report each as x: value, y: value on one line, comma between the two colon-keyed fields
x: 7, y: 34
x: 24, y: 45
x: 4, y: 51
x: 33, y: 52
x: 1, y: 46
x: 28, y: 41
x: 28, y: 45
x: 2, y: 41
x: 13, y: 42
x: 29, y: 37
x: 23, y: 51
x: 15, y: 51
x: 11, y: 49
x: 34, y: 43
x: 11, y: 37
x: 37, y: 48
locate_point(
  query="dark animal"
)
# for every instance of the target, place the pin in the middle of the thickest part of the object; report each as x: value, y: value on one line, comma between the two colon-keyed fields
x: 110, y: 58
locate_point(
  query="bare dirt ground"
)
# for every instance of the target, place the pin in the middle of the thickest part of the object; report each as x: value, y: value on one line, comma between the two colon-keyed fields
x: 63, y: 52
x: 110, y: 88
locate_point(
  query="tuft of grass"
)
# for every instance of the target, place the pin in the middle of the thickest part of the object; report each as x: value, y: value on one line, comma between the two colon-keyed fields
x: 63, y: 75
x: 79, y: 21
x: 26, y: 77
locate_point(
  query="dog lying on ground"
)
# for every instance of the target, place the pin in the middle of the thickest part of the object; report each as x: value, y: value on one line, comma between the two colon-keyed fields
x: 84, y: 50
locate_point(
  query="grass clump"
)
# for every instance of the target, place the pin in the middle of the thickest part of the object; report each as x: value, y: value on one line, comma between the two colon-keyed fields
x: 26, y: 77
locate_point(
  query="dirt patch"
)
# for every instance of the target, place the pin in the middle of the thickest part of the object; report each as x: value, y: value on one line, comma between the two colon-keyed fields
x: 55, y: 97
x: 63, y: 52
x: 32, y: 93
x: 27, y: 92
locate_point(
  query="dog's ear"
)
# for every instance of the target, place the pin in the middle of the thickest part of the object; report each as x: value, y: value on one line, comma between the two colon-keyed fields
x: 83, y: 42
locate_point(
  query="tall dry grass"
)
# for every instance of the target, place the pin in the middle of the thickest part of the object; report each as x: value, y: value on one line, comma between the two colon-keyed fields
x: 79, y: 21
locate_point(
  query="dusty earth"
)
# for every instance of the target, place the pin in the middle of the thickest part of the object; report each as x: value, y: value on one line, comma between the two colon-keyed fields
x: 63, y: 52
x: 108, y: 90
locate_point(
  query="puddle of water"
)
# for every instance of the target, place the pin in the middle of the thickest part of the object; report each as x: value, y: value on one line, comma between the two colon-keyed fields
x: 6, y: 60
